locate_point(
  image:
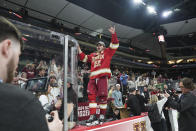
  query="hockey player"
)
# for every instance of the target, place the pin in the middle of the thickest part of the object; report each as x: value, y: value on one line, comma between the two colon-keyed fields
x: 100, y: 73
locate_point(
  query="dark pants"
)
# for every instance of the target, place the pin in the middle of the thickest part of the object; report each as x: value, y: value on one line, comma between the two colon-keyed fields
x: 156, y: 126
x: 124, y: 92
x: 166, y: 114
x: 159, y: 126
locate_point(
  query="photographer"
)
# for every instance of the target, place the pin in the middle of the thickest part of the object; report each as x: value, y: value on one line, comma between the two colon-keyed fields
x: 20, y: 110
x: 186, y: 106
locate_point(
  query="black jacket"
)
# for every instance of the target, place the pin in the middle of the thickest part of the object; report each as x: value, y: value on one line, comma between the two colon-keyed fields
x: 20, y: 110
x: 186, y: 106
x: 142, y: 102
x: 153, y: 113
x: 146, y: 96
x: 133, y: 105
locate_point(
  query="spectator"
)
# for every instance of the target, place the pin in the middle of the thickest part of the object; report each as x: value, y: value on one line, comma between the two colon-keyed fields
x: 35, y: 62
x: 41, y: 64
x: 147, y: 81
x: 186, y: 106
x: 153, y: 73
x: 142, y: 101
x: 140, y: 84
x: 146, y: 94
x: 22, y: 80
x: 166, y: 107
x: 133, y: 103
x: 24, y: 112
x: 50, y: 97
x: 117, y: 74
x: 112, y: 112
x: 53, y: 67
x: 86, y: 74
x: 131, y: 83
x: 110, y: 91
x: 72, y: 105
x: 155, y: 113
x: 112, y: 81
x: 124, y: 82
x: 30, y: 70
x: 116, y: 94
x: 41, y: 72
x: 54, y: 89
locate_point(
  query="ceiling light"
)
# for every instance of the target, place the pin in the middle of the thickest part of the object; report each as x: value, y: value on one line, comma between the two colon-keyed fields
x: 180, y: 60
x: 171, y: 62
x: 191, y: 60
x: 149, y: 62
x: 139, y: 2
x: 151, y: 10
x: 167, y: 13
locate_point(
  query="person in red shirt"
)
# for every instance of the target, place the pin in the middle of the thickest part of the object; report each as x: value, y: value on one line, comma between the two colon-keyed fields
x: 100, y: 73
x: 30, y: 70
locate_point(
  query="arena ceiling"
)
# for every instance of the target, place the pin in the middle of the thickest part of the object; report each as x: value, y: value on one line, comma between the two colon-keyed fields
x: 131, y: 21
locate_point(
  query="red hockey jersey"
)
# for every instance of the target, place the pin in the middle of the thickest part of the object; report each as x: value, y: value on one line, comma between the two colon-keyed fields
x: 100, y: 62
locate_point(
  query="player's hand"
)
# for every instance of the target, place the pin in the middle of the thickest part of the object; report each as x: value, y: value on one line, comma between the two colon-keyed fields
x: 112, y: 30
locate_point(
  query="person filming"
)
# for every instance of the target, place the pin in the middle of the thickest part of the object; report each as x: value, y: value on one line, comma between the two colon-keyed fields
x: 186, y: 106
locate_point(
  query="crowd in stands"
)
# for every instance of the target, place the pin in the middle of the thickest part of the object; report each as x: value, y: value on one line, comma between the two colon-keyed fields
x: 129, y: 93
x: 52, y: 98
